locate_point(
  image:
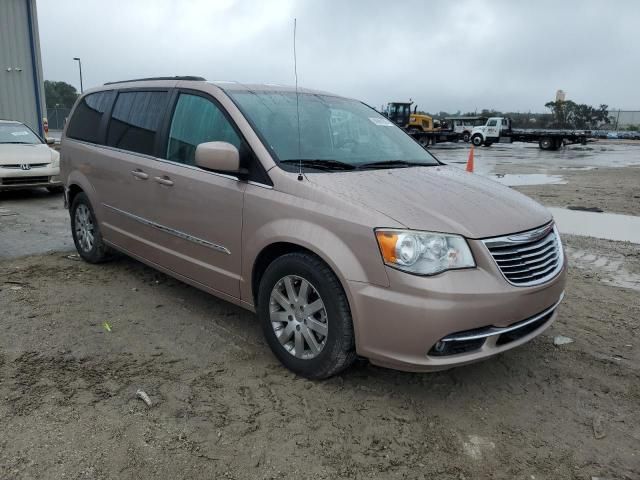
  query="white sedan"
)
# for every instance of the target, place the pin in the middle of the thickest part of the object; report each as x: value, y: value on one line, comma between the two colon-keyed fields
x: 26, y: 161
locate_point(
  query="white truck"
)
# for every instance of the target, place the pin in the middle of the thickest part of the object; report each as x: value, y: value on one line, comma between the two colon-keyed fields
x: 464, y: 125
x: 498, y: 130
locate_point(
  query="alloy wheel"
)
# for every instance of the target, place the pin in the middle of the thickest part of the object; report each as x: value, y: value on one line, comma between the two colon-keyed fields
x: 85, y: 229
x: 298, y: 317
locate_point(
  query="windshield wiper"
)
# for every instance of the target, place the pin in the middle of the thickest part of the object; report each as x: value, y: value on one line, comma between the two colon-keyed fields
x: 320, y: 164
x: 394, y: 164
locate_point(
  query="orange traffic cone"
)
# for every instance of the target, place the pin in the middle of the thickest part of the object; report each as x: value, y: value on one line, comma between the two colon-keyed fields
x: 470, y: 161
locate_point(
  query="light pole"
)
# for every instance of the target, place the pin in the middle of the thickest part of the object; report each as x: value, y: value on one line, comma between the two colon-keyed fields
x: 80, y: 67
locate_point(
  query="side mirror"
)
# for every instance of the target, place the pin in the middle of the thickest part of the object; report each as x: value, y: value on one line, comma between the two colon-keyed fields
x: 50, y: 140
x: 221, y: 156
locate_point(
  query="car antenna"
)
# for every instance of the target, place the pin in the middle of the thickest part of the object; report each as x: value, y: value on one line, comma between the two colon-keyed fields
x: 295, y: 72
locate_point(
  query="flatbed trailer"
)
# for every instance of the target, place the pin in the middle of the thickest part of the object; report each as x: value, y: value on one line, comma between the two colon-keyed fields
x: 551, y: 139
x: 498, y: 130
x: 432, y: 137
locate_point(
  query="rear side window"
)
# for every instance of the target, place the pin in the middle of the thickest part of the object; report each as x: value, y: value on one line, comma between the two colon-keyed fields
x: 85, y: 122
x: 135, y: 120
x: 197, y: 120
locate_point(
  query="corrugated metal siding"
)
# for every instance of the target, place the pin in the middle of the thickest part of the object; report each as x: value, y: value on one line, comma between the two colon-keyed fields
x: 17, y: 87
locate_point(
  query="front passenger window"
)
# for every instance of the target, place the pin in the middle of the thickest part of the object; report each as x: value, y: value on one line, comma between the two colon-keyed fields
x: 197, y: 120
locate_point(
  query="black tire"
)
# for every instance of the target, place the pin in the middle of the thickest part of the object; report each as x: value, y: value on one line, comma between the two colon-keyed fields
x: 55, y: 189
x: 466, y: 136
x: 477, y: 140
x: 424, y: 141
x: 98, y: 252
x: 546, y: 143
x: 338, y: 352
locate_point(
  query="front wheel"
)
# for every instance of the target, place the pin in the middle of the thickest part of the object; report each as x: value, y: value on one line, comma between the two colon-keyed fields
x: 476, y: 140
x: 305, y: 316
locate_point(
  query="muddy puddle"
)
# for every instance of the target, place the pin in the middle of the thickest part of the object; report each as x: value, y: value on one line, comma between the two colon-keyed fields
x: 578, y: 157
x: 518, y: 180
x: 610, y: 226
x: 611, y: 268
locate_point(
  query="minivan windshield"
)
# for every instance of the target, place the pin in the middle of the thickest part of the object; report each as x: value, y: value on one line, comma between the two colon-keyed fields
x: 17, y: 133
x: 334, y: 132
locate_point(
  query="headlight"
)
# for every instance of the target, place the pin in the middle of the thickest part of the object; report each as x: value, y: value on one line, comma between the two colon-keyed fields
x: 423, y: 253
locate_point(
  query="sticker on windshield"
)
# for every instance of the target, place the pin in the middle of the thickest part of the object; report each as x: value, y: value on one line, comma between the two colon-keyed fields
x: 19, y: 134
x: 382, y: 122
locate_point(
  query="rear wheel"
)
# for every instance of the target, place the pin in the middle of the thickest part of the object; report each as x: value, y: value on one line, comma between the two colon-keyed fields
x: 546, y: 143
x: 424, y: 141
x: 476, y: 139
x: 466, y: 136
x: 86, y: 231
x: 305, y: 316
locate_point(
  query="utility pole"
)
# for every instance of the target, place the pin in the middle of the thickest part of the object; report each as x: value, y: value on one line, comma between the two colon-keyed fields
x: 80, y: 67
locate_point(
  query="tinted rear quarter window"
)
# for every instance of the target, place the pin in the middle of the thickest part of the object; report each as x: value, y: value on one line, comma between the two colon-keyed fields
x: 135, y: 120
x: 85, y: 122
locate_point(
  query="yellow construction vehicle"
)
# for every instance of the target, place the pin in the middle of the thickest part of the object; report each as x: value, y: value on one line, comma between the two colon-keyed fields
x: 420, y: 126
x: 422, y: 123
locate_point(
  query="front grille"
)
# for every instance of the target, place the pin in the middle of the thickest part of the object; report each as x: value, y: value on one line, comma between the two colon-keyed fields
x: 528, y: 258
x: 18, y: 166
x: 24, y: 180
x: 469, y: 341
x: 518, y: 333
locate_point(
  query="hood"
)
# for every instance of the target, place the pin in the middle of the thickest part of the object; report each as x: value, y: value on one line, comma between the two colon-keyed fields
x: 441, y: 199
x: 19, y: 153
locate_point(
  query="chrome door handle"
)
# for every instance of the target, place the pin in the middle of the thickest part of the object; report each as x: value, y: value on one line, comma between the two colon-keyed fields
x: 139, y: 174
x: 164, y: 181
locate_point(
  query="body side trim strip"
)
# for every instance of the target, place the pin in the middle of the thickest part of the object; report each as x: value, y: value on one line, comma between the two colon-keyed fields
x: 171, y: 231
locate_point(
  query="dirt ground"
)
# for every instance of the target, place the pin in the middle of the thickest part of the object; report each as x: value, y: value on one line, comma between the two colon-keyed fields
x: 223, y: 407
x: 613, y: 190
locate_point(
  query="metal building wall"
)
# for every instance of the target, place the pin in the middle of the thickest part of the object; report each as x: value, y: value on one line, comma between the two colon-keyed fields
x: 21, y: 82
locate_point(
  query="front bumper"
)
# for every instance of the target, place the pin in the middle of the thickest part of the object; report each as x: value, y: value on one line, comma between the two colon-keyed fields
x: 11, y: 179
x: 399, y: 327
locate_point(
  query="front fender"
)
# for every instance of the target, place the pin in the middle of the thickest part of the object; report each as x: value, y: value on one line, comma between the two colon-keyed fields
x: 319, y: 240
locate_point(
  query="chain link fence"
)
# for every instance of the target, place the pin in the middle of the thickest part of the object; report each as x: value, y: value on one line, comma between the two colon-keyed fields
x: 57, y: 117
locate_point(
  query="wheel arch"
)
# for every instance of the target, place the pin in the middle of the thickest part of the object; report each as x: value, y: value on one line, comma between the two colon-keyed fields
x: 72, y: 191
x: 78, y: 183
x: 277, y: 249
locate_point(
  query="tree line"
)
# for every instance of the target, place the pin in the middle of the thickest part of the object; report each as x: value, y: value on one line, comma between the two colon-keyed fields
x: 59, y: 94
x: 564, y: 114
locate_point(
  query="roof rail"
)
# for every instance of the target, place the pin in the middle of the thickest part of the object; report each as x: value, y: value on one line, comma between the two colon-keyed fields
x: 183, y: 77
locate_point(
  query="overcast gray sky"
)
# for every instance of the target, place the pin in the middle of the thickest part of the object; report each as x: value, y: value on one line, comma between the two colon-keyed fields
x: 462, y: 55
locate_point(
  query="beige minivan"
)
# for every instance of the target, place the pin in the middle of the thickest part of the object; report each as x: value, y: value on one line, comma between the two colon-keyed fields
x: 343, y: 234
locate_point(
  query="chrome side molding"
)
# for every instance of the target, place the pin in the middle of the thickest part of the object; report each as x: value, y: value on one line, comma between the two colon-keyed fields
x: 171, y: 231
